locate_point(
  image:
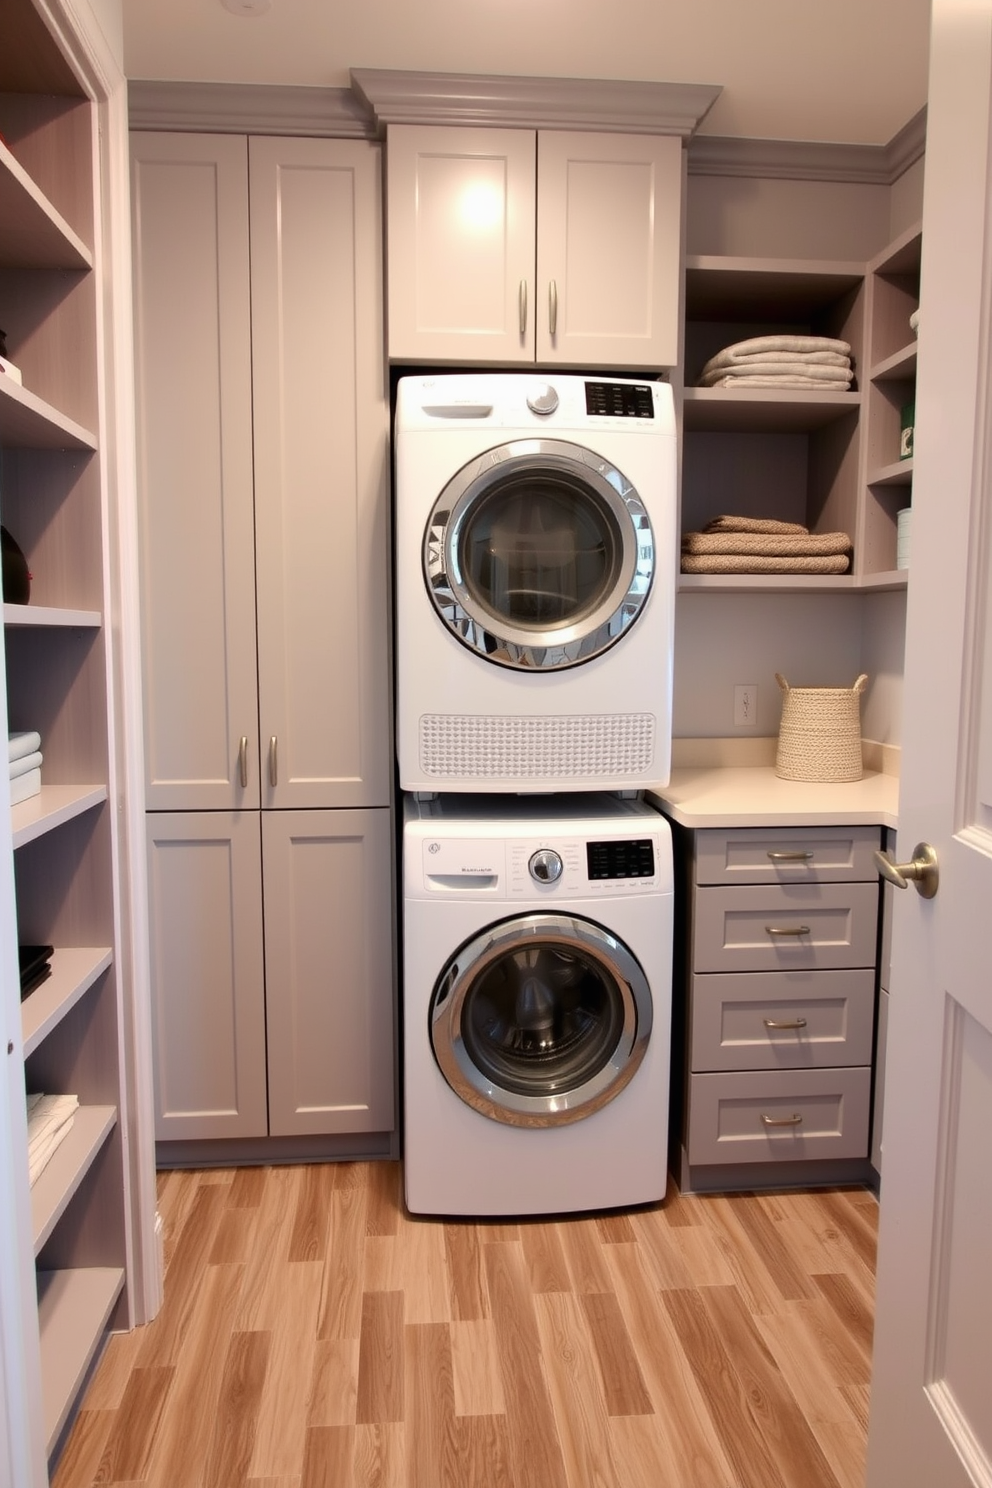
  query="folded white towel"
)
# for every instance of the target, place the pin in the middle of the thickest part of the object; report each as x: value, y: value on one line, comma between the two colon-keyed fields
x: 809, y: 372
x: 791, y: 380
x: 25, y: 786
x: 756, y: 359
x: 25, y: 742
x: 49, y: 1123
x: 791, y: 344
x: 25, y: 763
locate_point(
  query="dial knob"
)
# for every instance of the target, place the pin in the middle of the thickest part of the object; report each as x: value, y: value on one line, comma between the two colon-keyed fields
x: 543, y: 399
x: 545, y: 865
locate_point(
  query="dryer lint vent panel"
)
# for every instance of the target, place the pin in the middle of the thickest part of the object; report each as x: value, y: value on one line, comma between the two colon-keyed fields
x: 494, y: 747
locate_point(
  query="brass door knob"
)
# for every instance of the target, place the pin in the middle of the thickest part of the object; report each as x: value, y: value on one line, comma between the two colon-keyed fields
x: 921, y: 872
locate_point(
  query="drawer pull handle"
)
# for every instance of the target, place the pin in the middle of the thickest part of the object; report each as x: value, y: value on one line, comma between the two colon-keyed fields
x: 243, y: 760
x: 778, y: 856
x: 778, y: 1023
x: 795, y: 1120
x: 786, y: 929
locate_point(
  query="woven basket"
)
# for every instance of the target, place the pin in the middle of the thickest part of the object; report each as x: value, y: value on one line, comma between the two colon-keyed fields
x: 819, y: 737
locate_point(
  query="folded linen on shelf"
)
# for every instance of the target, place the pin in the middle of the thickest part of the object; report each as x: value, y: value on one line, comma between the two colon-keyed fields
x: 755, y: 524
x: 790, y: 380
x: 23, y: 787
x: 804, y: 372
x: 791, y: 345
x: 49, y: 1123
x: 785, y: 545
x: 25, y: 763
x: 810, y: 359
x: 758, y: 563
x: 23, y: 742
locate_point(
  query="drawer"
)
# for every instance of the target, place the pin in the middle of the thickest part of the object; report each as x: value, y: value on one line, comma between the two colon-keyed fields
x: 755, y: 1020
x: 754, y: 855
x: 778, y: 1115
x: 785, y: 927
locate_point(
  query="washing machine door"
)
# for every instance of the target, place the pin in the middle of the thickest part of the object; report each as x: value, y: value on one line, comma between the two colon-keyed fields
x: 540, y: 1019
x: 539, y: 554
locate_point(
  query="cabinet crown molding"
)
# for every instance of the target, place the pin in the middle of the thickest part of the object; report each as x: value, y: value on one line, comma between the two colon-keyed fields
x: 810, y: 160
x: 606, y: 106
x: 246, y: 108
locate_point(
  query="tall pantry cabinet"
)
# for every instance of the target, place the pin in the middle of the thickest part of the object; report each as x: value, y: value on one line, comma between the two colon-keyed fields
x: 262, y: 412
x: 74, y: 1242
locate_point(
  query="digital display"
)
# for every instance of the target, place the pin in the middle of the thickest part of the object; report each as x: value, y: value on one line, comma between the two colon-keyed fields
x: 621, y: 858
x: 620, y: 399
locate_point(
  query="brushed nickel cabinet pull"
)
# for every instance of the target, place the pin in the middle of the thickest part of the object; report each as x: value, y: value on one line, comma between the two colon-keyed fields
x: 778, y: 1023
x: 795, y: 1120
x: 273, y: 763
x: 243, y: 760
x: 553, y: 308
x: 786, y: 929
x: 522, y: 301
x: 778, y: 855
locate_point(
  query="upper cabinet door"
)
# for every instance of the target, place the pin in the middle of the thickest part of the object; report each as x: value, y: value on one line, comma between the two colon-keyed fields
x: 321, y: 472
x: 193, y: 392
x: 461, y: 244
x: 608, y: 249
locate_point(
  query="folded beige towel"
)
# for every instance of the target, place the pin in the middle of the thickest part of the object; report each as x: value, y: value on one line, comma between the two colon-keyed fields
x: 809, y: 545
x: 787, y: 380
x: 49, y: 1123
x: 755, y: 524
x: 744, y: 563
x: 789, y: 345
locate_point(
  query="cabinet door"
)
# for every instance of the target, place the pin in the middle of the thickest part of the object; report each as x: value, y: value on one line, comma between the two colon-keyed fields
x: 193, y: 391
x: 321, y: 422
x: 329, y: 971
x: 460, y: 218
x: 609, y: 234
x: 208, y: 999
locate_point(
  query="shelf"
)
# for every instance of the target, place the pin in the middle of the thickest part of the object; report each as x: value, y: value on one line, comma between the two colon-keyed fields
x: 763, y: 410
x: 899, y: 367
x: 895, y: 578
x: 739, y: 289
x: 792, y: 583
x: 28, y: 422
x: 35, y: 235
x: 48, y: 615
x: 74, y: 970
x: 52, y: 807
x: 899, y: 473
x: 67, y: 1167
x: 74, y: 1309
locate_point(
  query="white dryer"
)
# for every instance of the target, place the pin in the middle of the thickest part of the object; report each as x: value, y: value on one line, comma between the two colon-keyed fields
x: 537, y: 967
x: 536, y: 565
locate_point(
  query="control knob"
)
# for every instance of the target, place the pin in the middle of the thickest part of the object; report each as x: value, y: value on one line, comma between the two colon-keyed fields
x: 545, y: 865
x: 543, y: 399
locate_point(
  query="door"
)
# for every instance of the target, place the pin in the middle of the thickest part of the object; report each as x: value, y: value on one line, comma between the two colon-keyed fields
x: 931, y: 1410
x: 193, y: 411
x: 538, y: 555
x: 540, y: 1019
x: 321, y: 429
x: 609, y: 238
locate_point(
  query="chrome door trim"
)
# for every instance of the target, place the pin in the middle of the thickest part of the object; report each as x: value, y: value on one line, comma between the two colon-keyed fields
x: 488, y: 634
x: 451, y: 990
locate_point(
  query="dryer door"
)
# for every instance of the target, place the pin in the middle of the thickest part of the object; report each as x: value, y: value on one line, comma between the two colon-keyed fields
x: 540, y: 1019
x: 539, y: 554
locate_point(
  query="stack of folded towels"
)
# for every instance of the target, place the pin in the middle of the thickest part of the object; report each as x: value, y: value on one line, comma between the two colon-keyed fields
x: 25, y: 765
x: 816, y: 363
x: 760, y: 545
x: 49, y: 1123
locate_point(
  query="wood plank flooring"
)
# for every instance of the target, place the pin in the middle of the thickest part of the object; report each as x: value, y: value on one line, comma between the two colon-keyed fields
x: 314, y: 1335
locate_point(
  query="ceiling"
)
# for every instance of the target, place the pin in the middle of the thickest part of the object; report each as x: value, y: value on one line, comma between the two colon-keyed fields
x: 844, y: 71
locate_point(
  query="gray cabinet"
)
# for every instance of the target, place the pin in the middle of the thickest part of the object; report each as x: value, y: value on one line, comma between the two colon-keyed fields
x: 263, y: 443
x: 781, y: 930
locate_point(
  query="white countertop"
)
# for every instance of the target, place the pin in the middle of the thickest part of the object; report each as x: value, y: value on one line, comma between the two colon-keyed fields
x: 754, y: 796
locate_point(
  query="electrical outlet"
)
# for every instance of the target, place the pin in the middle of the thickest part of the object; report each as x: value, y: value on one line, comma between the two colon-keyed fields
x: 745, y: 705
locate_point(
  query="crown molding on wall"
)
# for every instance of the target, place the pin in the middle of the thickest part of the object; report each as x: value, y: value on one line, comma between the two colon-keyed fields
x: 808, y: 160
x: 398, y: 97
x: 247, y: 108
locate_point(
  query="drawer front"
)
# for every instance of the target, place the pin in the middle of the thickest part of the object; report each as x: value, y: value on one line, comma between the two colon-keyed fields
x: 778, y: 1115
x: 756, y: 1020
x: 754, y: 855
x: 799, y: 927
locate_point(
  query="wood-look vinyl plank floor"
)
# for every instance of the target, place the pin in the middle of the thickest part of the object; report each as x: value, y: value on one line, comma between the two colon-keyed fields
x: 315, y: 1335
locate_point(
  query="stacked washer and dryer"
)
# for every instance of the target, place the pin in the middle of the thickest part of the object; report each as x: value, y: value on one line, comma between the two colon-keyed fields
x: 536, y: 562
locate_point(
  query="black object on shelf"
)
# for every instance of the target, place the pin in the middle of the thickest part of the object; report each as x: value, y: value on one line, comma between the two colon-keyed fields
x: 35, y: 967
x: 16, y: 574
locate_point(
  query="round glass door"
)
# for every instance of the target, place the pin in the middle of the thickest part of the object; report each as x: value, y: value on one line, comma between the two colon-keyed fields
x: 538, y: 554
x: 541, y: 1019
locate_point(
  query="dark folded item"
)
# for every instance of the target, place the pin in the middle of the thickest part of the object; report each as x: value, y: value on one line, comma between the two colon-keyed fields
x: 35, y: 967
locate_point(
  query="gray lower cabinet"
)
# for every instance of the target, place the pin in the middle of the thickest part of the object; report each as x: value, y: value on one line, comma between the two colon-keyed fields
x: 263, y: 1035
x: 781, y: 930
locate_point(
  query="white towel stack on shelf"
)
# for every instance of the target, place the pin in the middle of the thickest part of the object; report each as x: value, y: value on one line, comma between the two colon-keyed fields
x: 49, y: 1123
x: 816, y: 363
x: 24, y: 753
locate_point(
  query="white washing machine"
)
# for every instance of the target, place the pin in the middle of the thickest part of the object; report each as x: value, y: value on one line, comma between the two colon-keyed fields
x: 537, y: 961
x: 536, y: 566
